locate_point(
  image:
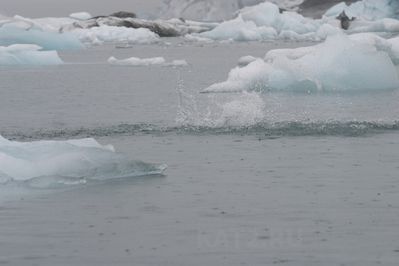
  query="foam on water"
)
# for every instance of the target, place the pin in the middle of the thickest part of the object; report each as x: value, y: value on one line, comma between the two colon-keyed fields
x: 191, y: 126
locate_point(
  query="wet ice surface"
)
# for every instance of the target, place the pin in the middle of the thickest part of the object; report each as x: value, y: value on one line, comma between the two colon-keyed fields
x: 233, y: 194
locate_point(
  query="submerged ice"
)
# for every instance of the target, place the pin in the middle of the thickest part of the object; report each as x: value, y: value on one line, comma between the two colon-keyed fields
x: 341, y: 63
x: 66, y: 162
x: 27, y: 54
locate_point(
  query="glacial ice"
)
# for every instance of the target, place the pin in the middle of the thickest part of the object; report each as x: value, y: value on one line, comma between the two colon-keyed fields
x: 60, y: 34
x: 27, y: 54
x: 265, y: 22
x: 211, y: 10
x: 10, y: 34
x: 66, y: 162
x: 367, y: 9
x: 154, y: 61
x: 245, y: 60
x: 240, y: 30
x: 341, y: 63
x: 112, y: 34
x: 81, y: 15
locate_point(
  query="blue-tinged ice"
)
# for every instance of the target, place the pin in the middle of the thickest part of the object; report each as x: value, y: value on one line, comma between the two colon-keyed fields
x: 27, y: 54
x: 355, y: 63
x: 11, y: 34
x: 51, y: 163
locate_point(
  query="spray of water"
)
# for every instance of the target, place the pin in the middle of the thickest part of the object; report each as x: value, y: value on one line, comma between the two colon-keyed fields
x: 234, y: 110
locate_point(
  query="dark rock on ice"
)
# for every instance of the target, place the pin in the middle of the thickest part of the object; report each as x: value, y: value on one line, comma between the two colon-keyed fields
x: 345, y: 20
x: 164, y: 28
x: 123, y: 14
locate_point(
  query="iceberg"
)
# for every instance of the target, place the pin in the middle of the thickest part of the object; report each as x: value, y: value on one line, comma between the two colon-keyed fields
x: 27, y: 54
x: 367, y: 9
x: 265, y: 21
x: 163, y: 28
x: 240, y: 30
x: 154, y: 61
x: 113, y: 34
x: 11, y: 34
x: 211, y: 10
x: 342, y: 63
x: 245, y: 60
x: 66, y: 162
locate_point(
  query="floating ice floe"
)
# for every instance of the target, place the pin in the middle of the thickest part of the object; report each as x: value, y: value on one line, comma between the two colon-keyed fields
x: 211, y: 10
x: 266, y: 22
x: 19, y: 30
x: 341, y: 63
x: 367, y: 9
x: 61, y: 34
x: 154, y: 61
x: 163, y: 28
x: 113, y: 34
x: 27, y: 54
x: 52, y: 163
x: 245, y: 60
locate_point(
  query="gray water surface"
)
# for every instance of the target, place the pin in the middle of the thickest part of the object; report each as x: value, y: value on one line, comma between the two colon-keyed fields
x: 313, y: 182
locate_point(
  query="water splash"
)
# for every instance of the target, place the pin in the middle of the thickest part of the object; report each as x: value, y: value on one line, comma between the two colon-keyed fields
x: 238, y: 110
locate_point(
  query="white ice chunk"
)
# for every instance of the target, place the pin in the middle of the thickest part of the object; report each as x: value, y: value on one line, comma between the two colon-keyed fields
x: 81, y: 15
x: 240, y: 30
x: 338, y: 64
x: 212, y: 10
x: 386, y: 25
x: 112, y: 34
x: 27, y: 54
x: 265, y: 22
x: 135, y: 61
x: 366, y: 9
x: 245, y: 60
x: 154, y: 61
x: 59, y: 161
